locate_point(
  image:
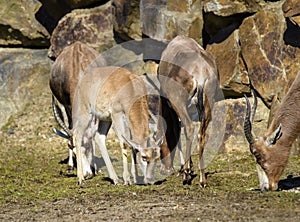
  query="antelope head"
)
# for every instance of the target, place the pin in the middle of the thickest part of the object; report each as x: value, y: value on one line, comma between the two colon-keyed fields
x: 147, y: 155
x: 266, y: 150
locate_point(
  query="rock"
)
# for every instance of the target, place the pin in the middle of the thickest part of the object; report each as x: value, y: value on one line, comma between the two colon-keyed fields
x: 188, y: 6
x: 91, y: 26
x: 233, y: 73
x: 24, y: 74
x: 127, y: 19
x: 162, y: 24
x: 83, y: 3
x: 222, y: 17
x: 291, y: 9
x: 51, y: 12
x: 270, y: 62
x: 18, y: 25
x: 216, y: 28
x: 123, y: 55
x: 228, y: 7
x: 133, y: 56
x: 235, y: 110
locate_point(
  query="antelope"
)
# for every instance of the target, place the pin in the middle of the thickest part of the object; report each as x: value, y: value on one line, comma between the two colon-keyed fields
x: 64, y: 75
x: 190, y: 81
x: 171, y: 130
x: 114, y: 95
x: 271, y: 151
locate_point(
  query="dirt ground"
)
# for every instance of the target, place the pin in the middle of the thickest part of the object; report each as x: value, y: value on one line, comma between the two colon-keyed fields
x: 34, y: 185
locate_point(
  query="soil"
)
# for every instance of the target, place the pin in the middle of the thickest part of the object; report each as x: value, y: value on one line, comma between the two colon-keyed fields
x: 34, y: 184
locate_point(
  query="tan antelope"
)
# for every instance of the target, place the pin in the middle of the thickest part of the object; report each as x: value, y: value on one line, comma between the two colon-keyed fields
x: 115, y: 95
x: 170, y: 129
x: 189, y: 80
x: 64, y: 75
x: 272, y: 150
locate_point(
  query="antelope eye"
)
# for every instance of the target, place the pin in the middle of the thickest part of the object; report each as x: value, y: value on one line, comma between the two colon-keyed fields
x: 144, y: 158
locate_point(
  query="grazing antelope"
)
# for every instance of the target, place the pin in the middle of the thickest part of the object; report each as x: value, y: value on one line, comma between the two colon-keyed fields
x: 171, y: 129
x: 272, y: 150
x: 114, y: 95
x: 64, y: 75
x: 189, y: 80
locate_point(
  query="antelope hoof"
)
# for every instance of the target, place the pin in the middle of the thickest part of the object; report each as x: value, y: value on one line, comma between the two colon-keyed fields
x: 70, y: 169
x: 127, y: 182
x: 186, y: 176
x: 187, y: 179
x: 116, y: 182
x: 149, y: 181
x: 202, y: 184
x: 166, y: 171
x: 81, y: 182
x: 89, y: 176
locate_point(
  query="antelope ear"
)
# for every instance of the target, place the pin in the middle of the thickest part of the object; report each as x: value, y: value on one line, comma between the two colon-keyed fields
x: 272, y: 139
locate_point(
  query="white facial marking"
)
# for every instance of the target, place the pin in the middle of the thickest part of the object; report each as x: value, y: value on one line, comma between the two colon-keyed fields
x: 263, y: 179
x: 143, y: 165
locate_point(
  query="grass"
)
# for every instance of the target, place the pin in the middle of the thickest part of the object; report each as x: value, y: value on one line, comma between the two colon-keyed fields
x: 32, y: 178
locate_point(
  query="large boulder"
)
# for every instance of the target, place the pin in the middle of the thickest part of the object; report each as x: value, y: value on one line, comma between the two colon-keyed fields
x: 291, y: 9
x: 186, y: 6
x: 136, y: 55
x: 83, y: 3
x: 163, y: 23
x: 234, y: 79
x: 52, y: 10
x: 18, y: 25
x: 271, y: 64
x: 233, y: 120
x: 258, y: 48
x: 228, y: 7
x: 222, y: 17
x: 91, y: 26
x: 127, y: 19
x: 24, y: 75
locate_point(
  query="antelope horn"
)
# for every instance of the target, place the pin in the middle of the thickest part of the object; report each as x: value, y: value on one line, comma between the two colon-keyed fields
x: 60, y: 121
x: 248, y: 120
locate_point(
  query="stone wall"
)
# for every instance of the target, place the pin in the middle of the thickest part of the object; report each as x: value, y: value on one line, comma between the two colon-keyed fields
x: 255, y: 43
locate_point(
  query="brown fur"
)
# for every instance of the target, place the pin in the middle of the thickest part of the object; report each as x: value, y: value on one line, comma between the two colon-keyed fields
x: 65, y: 72
x: 184, y: 63
x: 109, y: 94
x: 273, y: 158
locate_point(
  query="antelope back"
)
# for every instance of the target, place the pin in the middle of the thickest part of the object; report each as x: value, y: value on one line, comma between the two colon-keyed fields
x: 66, y: 71
x: 111, y: 90
x: 186, y: 66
